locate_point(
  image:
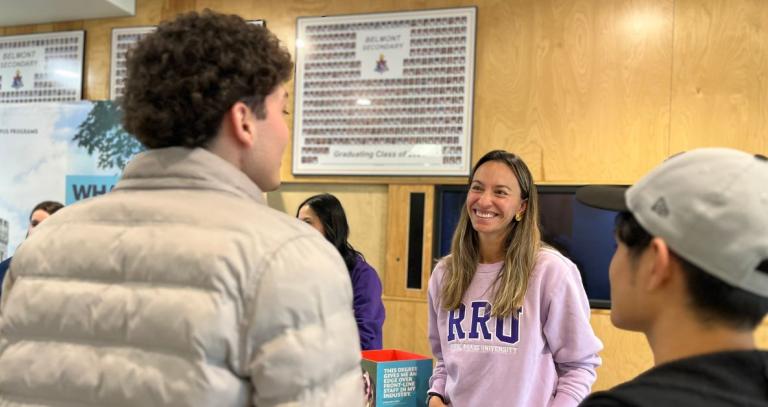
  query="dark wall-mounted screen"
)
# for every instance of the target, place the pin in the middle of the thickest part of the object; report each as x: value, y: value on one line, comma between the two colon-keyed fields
x: 583, y: 234
x: 448, y: 202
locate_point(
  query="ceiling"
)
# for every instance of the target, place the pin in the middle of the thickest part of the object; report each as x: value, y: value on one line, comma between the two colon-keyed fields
x: 23, y: 12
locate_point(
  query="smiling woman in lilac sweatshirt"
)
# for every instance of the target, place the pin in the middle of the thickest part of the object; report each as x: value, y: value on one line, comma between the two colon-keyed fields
x: 508, y: 317
x: 325, y: 213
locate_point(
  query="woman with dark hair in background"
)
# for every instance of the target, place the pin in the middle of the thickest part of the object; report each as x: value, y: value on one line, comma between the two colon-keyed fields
x: 325, y: 213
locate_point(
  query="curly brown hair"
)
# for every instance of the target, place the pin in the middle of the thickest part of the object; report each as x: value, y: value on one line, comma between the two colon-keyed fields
x: 184, y: 77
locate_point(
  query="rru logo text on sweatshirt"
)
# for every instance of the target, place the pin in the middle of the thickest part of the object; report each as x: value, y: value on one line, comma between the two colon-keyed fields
x: 477, y: 325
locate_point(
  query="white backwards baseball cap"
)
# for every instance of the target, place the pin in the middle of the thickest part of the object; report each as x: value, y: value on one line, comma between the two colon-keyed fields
x: 710, y: 205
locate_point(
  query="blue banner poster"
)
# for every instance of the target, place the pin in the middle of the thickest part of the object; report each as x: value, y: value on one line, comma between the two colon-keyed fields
x: 63, y: 152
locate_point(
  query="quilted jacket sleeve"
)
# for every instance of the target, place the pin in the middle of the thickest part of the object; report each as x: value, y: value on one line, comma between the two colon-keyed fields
x: 301, y: 340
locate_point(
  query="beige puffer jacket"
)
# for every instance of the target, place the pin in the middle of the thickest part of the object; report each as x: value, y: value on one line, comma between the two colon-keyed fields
x: 179, y: 288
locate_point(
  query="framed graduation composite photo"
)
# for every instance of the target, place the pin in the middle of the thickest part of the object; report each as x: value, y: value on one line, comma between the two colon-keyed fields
x: 42, y: 67
x: 123, y: 39
x: 385, y: 94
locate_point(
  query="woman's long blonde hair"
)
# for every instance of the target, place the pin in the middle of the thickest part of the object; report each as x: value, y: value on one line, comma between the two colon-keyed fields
x: 522, y: 241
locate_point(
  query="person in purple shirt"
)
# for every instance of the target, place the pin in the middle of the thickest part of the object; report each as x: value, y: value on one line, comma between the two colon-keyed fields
x: 508, y: 316
x: 325, y: 213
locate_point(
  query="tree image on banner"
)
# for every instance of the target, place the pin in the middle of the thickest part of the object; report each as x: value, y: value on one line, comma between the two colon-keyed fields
x: 102, y: 132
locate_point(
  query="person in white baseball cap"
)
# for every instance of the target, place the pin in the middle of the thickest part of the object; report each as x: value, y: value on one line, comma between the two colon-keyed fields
x: 691, y: 272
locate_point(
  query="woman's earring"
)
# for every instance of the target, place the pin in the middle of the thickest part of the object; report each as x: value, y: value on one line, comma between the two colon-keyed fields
x: 518, y: 216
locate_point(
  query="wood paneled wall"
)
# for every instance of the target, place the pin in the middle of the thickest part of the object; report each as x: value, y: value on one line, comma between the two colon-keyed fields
x: 365, y: 206
x: 719, y: 95
x: 586, y: 91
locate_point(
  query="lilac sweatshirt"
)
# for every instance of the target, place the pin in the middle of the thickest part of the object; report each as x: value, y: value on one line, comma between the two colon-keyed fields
x: 369, y: 309
x: 546, y: 357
